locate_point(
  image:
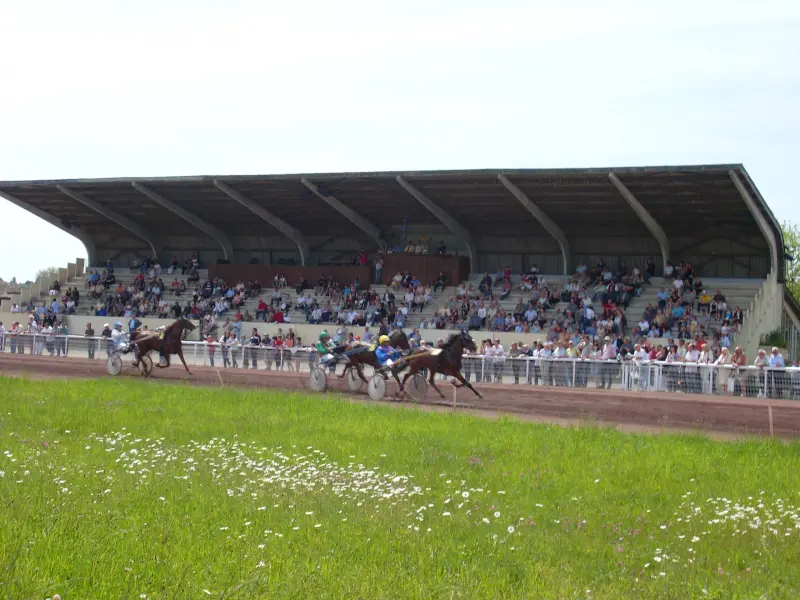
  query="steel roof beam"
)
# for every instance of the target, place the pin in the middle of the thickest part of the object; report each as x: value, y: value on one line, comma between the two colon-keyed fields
x: 454, y: 226
x: 644, y: 216
x: 121, y: 220
x: 348, y: 213
x: 550, y: 226
x: 82, y: 235
x: 195, y: 221
x: 290, y: 232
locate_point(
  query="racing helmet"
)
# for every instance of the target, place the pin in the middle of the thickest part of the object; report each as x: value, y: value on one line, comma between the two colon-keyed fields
x: 384, y: 339
x: 117, y: 324
x: 323, y: 334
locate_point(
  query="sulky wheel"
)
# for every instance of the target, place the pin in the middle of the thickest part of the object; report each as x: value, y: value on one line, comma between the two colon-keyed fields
x: 417, y: 388
x: 377, y: 387
x: 353, y: 380
x: 114, y: 364
x: 318, y: 380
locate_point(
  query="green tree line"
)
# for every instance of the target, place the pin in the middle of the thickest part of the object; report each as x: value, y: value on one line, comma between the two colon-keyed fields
x: 791, y: 240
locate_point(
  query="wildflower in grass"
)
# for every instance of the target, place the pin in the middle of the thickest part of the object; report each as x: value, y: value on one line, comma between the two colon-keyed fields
x: 465, y: 494
x: 510, y: 529
x: 497, y: 515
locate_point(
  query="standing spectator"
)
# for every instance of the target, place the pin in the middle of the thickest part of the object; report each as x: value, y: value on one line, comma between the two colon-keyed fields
x: 378, y: 269
x: 106, y: 333
x: 91, y: 344
x: 255, y: 343
x: 725, y: 383
x: 212, y: 350
x: 14, y: 345
x: 607, y: 371
x: 777, y: 364
x: 2, y: 337
x: 61, y: 339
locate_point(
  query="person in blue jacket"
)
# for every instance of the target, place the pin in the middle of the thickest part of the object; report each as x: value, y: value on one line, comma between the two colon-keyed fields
x: 386, y: 355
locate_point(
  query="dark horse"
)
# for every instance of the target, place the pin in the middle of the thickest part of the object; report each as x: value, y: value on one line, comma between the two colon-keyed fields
x: 166, y: 342
x: 397, y: 339
x: 445, y: 360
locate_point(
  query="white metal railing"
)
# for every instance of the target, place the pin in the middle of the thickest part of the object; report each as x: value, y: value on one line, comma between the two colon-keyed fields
x: 653, y: 376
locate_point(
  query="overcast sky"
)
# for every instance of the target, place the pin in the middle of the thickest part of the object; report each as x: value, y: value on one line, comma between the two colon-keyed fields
x: 148, y: 88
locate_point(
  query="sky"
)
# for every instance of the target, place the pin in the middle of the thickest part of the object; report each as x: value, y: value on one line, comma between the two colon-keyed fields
x: 178, y: 87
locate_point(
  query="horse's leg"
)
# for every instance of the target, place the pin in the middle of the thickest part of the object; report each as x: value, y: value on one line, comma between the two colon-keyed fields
x: 396, y: 376
x: 433, y: 385
x: 347, y: 368
x: 464, y: 382
x: 180, y: 355
x: 360, y: 372
x: 411, y: 371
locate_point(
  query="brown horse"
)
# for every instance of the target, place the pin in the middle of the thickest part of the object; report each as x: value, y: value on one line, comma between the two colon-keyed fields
x: 166, y: 342
x: 445, y: 360
x: 397, y: 339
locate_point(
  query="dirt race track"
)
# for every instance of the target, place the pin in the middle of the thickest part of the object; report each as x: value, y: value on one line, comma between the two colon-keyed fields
x: 629, y: 410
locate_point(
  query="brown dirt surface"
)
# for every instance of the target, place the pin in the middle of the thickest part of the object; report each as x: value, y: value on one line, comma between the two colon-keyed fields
x: 628, y: 410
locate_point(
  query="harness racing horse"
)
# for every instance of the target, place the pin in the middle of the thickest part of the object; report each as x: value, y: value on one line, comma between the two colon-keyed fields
x: 397, y: 338
x: 445, y: 360
x: 166, y: 342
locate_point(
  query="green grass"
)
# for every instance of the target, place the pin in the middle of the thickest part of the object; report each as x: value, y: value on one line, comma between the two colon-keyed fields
x: 130, y: 489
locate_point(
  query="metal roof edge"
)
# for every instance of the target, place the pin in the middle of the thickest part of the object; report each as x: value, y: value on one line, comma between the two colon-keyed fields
x: 376, y: 175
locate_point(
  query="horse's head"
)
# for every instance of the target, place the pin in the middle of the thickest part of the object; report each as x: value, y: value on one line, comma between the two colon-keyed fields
x: 467, y: 342
x: 186, y: 324
x: 399, y: 338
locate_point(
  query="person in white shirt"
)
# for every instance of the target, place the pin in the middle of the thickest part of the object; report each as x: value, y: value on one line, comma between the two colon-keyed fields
x: 706, y: 373
x: 776, y: 375
x: 641, y: 372
x: 497, y: 354
x: 724, y: 380
x: 690, y: 361
x: 2, y: 337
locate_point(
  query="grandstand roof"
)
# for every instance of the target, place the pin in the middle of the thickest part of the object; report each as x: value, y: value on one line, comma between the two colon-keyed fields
x: 683, y: 201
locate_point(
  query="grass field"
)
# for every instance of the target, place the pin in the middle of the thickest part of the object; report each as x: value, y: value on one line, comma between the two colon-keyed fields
x: 129, y: 489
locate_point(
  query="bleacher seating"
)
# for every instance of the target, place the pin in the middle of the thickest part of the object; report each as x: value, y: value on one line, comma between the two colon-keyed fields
x: 738, y: 292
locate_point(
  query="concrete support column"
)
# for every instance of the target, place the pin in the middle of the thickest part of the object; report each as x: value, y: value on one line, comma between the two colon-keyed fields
x: 148, y: 237
x: 77, y: 232
x: 454, y: 226
x: 268, y: 217
x: 371, y: 230
x: 644, y: 216
x: 215, y: 234
x: 549, y: 225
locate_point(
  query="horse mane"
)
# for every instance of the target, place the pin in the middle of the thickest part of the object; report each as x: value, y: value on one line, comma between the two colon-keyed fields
x: 451, y: 341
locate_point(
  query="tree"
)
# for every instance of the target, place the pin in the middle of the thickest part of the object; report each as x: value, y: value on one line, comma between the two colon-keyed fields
x: 48, y: 275
x: 791, y: 242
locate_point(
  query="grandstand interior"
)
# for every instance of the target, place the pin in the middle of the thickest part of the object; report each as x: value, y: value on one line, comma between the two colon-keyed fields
x: 647, y: 226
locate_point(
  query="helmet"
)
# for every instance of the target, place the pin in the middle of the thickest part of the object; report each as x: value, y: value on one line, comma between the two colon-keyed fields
x: 117, y: 324
x: 384, y: 339
x: 323, y: 334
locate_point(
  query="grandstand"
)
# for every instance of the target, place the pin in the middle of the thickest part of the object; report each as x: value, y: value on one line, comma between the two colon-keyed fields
x: 463, y: 223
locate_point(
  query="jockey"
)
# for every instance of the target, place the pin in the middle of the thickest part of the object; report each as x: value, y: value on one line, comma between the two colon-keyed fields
x: 324, y: 347
x: 118, y: 337
x: 386, y: 355
x: 161, y: 333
